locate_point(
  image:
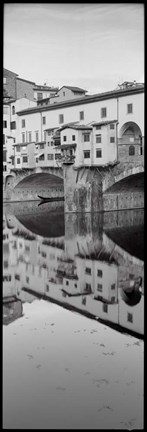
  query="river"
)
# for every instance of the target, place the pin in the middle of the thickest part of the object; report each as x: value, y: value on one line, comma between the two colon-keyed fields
x: 73, y: 318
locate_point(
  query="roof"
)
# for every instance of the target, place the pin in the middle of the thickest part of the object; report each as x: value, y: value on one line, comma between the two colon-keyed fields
x: 86, y: 99
x: 104, y: 122
x: 8, y: 70
x: 44, y: 87
x: 22, y: 79
x: 74, y: 89
x: 22, y: 144
x: 76, y: 126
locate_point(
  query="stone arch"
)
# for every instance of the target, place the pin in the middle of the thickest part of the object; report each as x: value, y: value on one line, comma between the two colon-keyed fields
x: 130, y: 130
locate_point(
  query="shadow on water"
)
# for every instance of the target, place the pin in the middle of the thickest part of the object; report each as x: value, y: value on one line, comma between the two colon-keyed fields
x: 90, y: 263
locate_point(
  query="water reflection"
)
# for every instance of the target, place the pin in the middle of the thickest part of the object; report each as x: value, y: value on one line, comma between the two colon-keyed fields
x: 91, y: 263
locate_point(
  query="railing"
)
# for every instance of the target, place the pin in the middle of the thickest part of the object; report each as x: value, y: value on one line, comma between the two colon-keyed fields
x: 127, y: 141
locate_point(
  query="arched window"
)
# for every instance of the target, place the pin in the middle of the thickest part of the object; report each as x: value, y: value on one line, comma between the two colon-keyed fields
x: 131, y: 150
x: 13, y: 109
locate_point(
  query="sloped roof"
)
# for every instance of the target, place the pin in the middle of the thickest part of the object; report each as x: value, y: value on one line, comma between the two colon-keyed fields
x: 74, y: 89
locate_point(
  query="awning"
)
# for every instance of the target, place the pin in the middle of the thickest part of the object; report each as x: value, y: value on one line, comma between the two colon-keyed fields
x: 38, y: 155
x: 66, y: 146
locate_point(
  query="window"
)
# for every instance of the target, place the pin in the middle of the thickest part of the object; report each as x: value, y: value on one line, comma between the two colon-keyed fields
x: 98, y: 138
x: 61, y: 118
x: 86, y: 137
x: 39, y: 96
x: 30, y: 136
x: 50, y: 156
x: 67, y: 283
x: 84, y: 300
x: 3, y: 138
x: 17, y: 277
x: 75, y: 285
x: 99, y: 273
x: 87, y: 154
x: 141, y: 151
x: 131, y: 150
x: 4, y: 156
x: 129, y: 108
x: 44, y: 120
x: 18, y: 149
x: 18, y: 160
x: 23, y: 123
x: 25, y: 159
x: 57, y: 156
x: 63, y: 93
x: 44, y: 135
x: 13, y: 109
x: 129, y: 317
x: 105, y: 307
x: 81, y: 115
x: 113, y: 299
x: 4, y: 168
x: 112, y: 126
x: 13, y: 125
x: 100, y: 287
x: 23, y: 137
x: 103, y: 112
x: 98, y: 127
x: 73, y: 137
x: 42, y: 157
x: 27, y: 279
x: 64, y: 138
x: 88, y: 288
x: 27, y: 248
x: 43, y: 254
x: 113, y: 286
x: 112, y: 139
x: 5, y: 264
x: 41, y: 146
x: 4, y: 124
x: 88, y: 270
x: 47, y: 288
x: 37, y: 136
x: 99, y: 153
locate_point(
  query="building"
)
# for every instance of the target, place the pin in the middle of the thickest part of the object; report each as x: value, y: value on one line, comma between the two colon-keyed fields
x: 42, y: 92
x: 119, y: 112
x: 10, y: 129
x: 89, y: 145
x: 17, y: 87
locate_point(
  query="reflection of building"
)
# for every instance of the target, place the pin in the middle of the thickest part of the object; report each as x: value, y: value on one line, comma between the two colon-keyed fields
x: 85, y: 272
x: 12, y: 309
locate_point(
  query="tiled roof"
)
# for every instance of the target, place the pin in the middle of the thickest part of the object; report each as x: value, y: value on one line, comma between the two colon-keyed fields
x: 74, y: 89
x: 104, y: 122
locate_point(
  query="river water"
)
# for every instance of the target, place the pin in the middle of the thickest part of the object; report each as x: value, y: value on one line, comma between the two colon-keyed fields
x: 73, y: 318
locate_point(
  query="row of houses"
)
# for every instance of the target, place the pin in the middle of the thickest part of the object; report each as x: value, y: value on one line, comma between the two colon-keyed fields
x: 72, y: 127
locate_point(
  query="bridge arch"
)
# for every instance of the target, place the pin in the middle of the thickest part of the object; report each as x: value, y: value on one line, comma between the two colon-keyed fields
x: 122, y: 175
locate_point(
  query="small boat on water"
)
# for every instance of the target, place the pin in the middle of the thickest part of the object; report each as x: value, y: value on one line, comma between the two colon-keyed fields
x: 50, y: 199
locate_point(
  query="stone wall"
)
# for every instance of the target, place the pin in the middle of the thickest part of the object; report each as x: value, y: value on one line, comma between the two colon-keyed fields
x: 121, y: 201
x: 82, y: 190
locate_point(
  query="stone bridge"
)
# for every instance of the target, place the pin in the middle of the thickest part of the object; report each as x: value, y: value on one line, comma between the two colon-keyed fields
x: 85, y: 189
x: 107, y: 188
x: 26, y: 184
